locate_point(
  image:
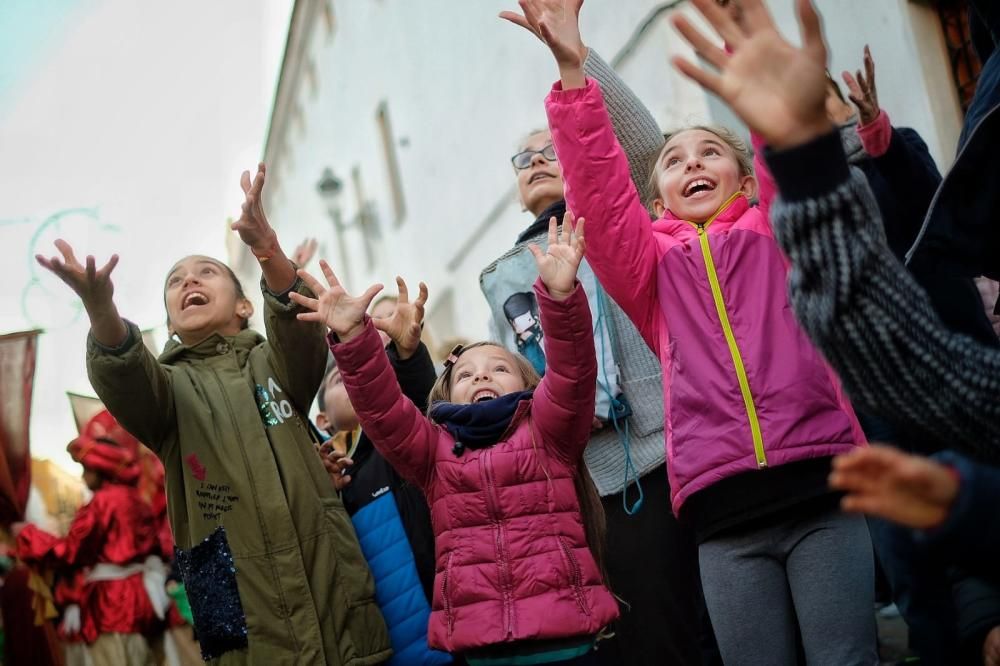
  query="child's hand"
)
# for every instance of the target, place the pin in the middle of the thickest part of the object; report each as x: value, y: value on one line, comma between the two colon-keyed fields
x: 335, y: 463
x: 557, y: 267
x: 779, y: 90
x: 862, y: 90
x: 93, y: 285
x: 557, y: 24
x: 403, y: 327
x: 342, y: 313
x: 910, y: 490
x: 253, y: 227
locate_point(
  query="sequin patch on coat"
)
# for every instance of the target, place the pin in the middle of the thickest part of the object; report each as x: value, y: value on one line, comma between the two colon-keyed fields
x: 209, y: 575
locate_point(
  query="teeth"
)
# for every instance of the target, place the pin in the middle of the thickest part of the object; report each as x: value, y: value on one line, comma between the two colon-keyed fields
x: 484, y: 395
x: 192, y: 297
x: 698, y: 183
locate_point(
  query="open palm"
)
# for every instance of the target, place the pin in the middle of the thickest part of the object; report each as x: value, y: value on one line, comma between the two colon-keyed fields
x: 557, y: 266
x: 342, y: 313
x: 93, y: 285
x: 776, y: 88
x: 404, y: 325
x: 556, y: 23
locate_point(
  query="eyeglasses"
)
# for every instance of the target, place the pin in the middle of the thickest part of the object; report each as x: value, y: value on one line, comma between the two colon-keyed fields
x: 523, y: 159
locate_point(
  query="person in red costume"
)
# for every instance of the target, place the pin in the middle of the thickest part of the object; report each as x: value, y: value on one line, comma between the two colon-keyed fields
x: 115, y: 537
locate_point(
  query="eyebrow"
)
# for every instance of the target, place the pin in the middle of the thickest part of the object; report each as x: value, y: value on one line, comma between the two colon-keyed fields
x: 702, y: 142
x: 200, y: 261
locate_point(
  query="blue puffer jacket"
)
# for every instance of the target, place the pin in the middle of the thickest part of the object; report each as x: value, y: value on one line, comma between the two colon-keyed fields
x: 393, y: 525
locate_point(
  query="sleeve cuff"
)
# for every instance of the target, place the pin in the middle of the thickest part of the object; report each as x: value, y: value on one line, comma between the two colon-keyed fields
x: 810, y: 170
x: 281, y: 302
x: 876, y: 135
x: 131, y: 337
x: 559, y: 96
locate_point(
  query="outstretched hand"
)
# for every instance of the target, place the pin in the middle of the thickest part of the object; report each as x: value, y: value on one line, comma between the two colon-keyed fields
x: 881, y: 481
x: 253, y: 227
x: 305, y: 251
x: 404, y: 325
x: 862, y: 90
x: 557, y: 24
x: 557, y: 266
x: 777, y: 89
x: 342, y: 313
x: 93, y: 285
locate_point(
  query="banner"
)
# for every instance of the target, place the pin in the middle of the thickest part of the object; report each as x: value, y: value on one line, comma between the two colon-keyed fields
x: 17, y: 376
x: 84, y: 408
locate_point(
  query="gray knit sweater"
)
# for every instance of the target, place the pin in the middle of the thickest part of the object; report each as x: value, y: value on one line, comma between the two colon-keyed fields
x: 868, y: 316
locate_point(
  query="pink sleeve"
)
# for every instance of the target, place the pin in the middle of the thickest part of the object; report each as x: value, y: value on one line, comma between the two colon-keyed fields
x: 876, y: 135
x: 565, y: 397
x: 621, y: 248
x: 766, y: 187
x: 400, y: 432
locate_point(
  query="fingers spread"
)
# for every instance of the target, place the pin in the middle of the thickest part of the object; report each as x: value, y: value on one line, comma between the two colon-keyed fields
x: 403, y: 291
x: 707, y: 80
x: 699, y: 42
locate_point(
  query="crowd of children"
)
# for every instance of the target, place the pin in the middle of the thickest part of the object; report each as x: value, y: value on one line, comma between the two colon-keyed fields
x: 657, y: 460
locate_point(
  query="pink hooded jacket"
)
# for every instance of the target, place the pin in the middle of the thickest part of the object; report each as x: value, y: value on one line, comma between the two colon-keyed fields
x: 512, y: 558
x: 743, y: 388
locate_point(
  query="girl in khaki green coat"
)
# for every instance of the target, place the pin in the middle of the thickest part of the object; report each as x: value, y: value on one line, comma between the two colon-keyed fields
x: 270, y: 560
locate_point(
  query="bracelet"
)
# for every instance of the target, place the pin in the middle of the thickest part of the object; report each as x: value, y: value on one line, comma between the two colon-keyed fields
x: 265, y: 256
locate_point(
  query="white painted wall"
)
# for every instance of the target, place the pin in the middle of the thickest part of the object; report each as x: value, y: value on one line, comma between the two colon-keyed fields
x: 462, y: 88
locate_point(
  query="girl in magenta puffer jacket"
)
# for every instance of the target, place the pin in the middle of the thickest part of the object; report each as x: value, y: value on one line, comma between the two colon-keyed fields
x: 753, y: 415
x: 498, y: 460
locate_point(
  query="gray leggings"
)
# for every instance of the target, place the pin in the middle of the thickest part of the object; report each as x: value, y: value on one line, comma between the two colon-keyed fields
x: 815, y: 573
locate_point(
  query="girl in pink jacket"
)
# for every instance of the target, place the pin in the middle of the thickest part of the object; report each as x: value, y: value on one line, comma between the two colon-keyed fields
x: 753, y: 415
x: 499, y: 461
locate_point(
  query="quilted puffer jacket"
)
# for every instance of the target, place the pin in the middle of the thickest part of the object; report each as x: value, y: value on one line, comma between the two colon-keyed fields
x: 512, y: 562
x: 743, y: 387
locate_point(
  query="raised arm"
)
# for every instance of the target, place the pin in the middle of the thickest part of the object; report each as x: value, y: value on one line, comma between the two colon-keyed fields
x: 408, y: 356
x: 297, y: 350
x: 402, y: 434
x: 133, y: 386
x: 564, y: 400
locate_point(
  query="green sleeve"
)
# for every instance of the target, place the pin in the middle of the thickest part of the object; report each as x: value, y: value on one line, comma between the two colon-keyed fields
x: 297, y: 350
x: 134, y: 387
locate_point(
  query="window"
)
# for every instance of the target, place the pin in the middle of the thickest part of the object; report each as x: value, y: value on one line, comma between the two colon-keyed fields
x: 965, y: 65
x: 391, y: 162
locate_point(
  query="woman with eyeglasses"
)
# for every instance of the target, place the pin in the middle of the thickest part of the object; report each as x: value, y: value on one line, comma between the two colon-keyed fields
x: 625, y: 454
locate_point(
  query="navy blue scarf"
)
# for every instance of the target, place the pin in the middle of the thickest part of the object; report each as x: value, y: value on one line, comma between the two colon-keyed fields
x: 479, y: 424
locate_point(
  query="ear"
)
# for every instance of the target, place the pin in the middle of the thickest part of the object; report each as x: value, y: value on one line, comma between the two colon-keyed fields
x: 244, y: 308
x: 322, y: 422
x: 748, y: 186
x: 659, y: 207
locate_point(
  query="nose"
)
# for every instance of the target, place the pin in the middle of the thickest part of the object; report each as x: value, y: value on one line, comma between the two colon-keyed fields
x: 693, y: 162
x: 190, y: 278
x: 538, y: 159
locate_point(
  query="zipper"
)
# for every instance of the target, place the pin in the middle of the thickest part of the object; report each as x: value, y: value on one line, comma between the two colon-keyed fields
x: 727, y: 330
x: 500, y: 537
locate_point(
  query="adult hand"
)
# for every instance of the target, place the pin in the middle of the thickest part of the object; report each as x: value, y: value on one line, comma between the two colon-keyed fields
x: 342, y: 313
x: 910, y: 490
x: 335, y: 463
x: 404, y: 325
x: 777, y: 89
x: 93, y: 285
x: 305, y: 251
x: 557, y: 266
x: 862, y: 90
x: 557, y: 24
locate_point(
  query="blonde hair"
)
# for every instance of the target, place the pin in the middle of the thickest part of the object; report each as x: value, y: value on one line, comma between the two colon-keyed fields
x: 741, y: 151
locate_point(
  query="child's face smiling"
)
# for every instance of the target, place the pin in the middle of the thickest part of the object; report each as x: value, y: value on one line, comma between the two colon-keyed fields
x: 697, y: 172
x: 484, y: 373
x: 201, y: 300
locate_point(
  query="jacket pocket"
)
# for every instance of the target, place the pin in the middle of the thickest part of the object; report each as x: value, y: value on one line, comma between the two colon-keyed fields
x: 575, y: 574
x: 209, y: 574
x: 446, y: 583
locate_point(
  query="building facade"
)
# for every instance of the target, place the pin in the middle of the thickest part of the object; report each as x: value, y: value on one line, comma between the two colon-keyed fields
x: 394, y: 122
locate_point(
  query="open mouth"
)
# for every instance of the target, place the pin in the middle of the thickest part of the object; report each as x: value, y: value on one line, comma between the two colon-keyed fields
x: 484, y: 395
x: 538, y: 176
x: 698, y: 185
x: 193, y: 299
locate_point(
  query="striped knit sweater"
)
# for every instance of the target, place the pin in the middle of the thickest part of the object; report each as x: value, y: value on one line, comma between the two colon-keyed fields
x: 868, y: 316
